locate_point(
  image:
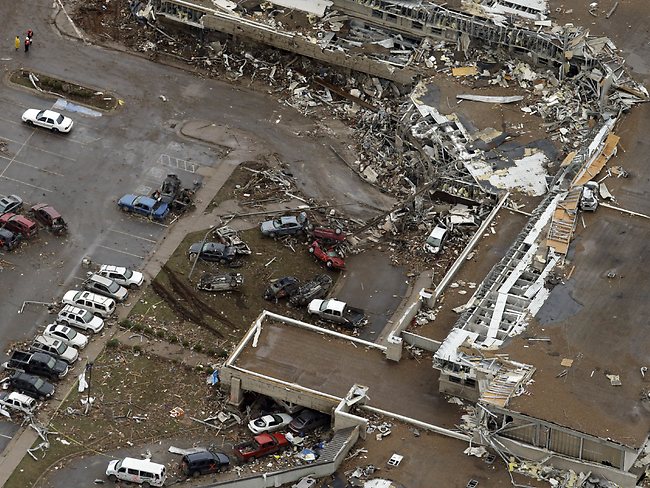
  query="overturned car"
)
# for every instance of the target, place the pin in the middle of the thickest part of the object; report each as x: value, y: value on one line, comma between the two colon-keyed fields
x: 220, y: 282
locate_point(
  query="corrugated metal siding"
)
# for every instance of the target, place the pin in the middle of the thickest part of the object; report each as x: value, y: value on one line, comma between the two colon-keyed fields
x: 525, y: 433
x: 565, y: 443
x: 599, y: 453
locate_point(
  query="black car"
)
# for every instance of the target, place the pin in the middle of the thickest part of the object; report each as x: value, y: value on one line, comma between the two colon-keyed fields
x: 213, y: 251
x: 37, y: 363
x: 8, y: 240
x: 281, y: 288
x: 204, y: 462
x: 308, y: 420
x: 316, y: 288
x: 31, y: 385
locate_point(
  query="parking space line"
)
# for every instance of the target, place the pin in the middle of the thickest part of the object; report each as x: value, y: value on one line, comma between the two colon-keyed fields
x: 121, y: 252
x: 26, y: 184
x: 16, y: 154
x: 133, y: 235
x: 42, y: 150
x: 33, y: 167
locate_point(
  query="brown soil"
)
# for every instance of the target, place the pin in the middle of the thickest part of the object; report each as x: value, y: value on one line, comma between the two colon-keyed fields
x: 64, y: 89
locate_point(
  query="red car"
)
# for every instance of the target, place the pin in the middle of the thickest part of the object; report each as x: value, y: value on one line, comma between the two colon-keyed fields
x: 330, y: 257
x: 18, y: 224
x: 325, y: 234
x: 49, y: 217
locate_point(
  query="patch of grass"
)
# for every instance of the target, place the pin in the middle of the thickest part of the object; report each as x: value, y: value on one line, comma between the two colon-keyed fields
x: 113, y: 344
x: 124, y: 385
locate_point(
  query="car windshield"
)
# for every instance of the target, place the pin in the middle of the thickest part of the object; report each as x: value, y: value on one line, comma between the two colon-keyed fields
x: 71, y: 333
x: 277, y: 222
x: 38, y: 115
x: 86, y: 317
x: 60, y: 119
x: 38, y: 382
x: 127, y: 274
x: 60, y: 349
x: 51, y: 362
x: 157, y: 205
x: 113, y: 287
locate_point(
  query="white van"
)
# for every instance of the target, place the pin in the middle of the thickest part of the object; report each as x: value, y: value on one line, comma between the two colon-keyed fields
x: 97, y: 304
x: 141, y: 471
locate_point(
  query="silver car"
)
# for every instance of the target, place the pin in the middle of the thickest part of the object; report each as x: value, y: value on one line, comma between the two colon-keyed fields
x: 105, y: 286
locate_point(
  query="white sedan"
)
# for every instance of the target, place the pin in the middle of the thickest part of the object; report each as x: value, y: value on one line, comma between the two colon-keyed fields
x: 65, y: 334
x: 48, y: 119
x: 269, y: 423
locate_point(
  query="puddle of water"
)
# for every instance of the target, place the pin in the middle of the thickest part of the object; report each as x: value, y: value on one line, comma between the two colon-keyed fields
x: 559, y: 306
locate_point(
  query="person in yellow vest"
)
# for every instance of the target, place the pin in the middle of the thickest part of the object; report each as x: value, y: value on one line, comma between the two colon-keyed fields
x: 17, y: 43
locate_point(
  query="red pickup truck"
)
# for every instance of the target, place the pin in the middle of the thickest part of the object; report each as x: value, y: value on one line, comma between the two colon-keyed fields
x: 261, y: 445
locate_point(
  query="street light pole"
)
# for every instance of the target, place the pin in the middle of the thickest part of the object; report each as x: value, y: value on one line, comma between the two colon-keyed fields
x: 89, y: 374
x: 198, y: 254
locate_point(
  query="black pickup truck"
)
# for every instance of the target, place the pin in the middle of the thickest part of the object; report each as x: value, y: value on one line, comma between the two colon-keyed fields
x: 37, y: 363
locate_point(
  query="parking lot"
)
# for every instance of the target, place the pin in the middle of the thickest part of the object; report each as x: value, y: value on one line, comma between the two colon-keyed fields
x: 81, y: 174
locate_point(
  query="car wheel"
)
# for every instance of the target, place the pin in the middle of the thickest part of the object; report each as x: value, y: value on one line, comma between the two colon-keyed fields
x: 192, y: 256
x: 311, y: 250
x: 337, y: 231
x: 30, y: 123
x: 329, y: 264
x: 222, y: 261
x: 146, y: 485
x: 272, y: 235
x: 196, y: 474
x: 112, y: 478
x: 123, y: 208
x: 55, y: 130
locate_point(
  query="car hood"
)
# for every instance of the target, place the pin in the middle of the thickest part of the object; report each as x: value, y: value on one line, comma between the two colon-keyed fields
x: 47, y: 389
x: 314, y: 306
x: 196, y: 247
x: 30, y: 113
x: 137, y: 278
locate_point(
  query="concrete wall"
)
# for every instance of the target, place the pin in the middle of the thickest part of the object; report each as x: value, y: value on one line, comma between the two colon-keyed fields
x: 460, y: 390
x: 250, y: 381
x: 420, y: 341
x: 301, y: 45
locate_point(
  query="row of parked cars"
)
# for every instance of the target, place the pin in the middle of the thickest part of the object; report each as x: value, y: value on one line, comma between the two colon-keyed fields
x: 267, y: 440
x: 14, y: 226
x: 56, y: 349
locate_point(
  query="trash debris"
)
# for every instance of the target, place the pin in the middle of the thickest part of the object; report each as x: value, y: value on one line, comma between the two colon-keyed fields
x: 614, y: 379
x: 394, y: 460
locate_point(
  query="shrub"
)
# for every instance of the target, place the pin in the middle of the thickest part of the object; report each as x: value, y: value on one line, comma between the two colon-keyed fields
x: 198, y: 347
x: 112, y: 344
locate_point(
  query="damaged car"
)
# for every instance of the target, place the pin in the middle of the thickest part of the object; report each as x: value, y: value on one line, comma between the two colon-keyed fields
x: 212, y: 251
x: 48, y: 217
x: 282, y: 288
x: 315, y: 288
x: 285, y: 225
x: 144, y: 205
x: 221, y: 282
x: 330, y: 256
x: 589, y: 197
x: 8, y: 240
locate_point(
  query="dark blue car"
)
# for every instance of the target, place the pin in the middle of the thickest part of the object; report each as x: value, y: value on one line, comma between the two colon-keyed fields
x: 144, y: 205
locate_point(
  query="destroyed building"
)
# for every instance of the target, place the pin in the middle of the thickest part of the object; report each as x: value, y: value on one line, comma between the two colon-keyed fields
x: 581, y: 91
